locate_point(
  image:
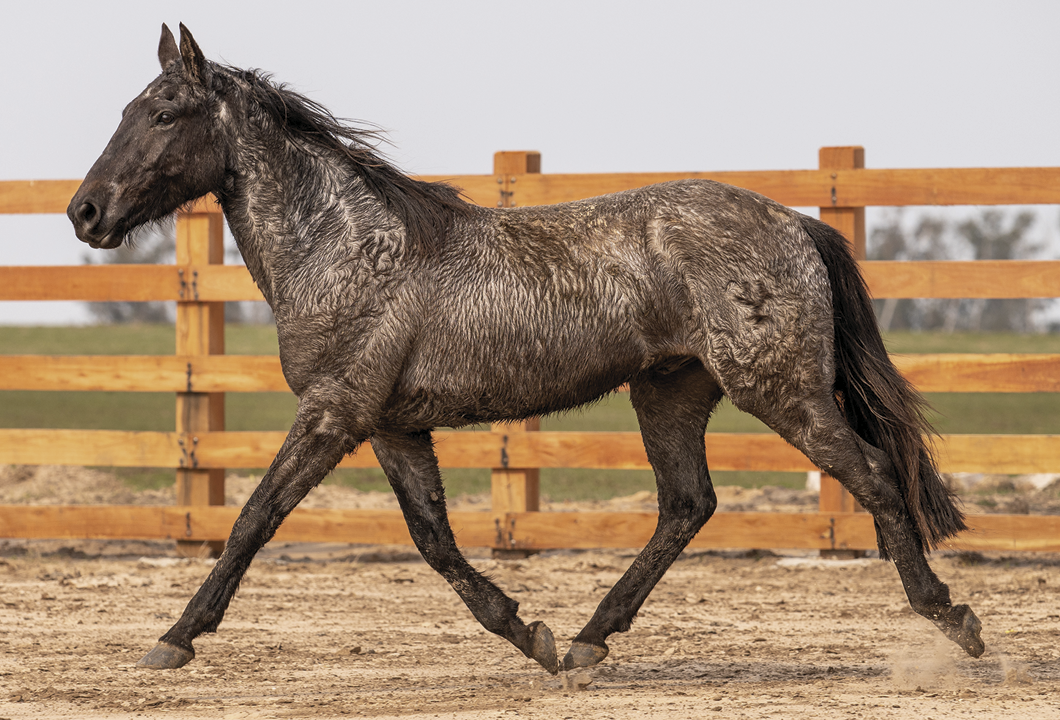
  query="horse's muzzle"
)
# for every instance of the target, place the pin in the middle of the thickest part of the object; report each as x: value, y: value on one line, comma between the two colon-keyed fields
x: 87, y: 218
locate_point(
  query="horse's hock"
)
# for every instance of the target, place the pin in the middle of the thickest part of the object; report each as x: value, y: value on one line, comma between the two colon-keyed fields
x: 199, y: 374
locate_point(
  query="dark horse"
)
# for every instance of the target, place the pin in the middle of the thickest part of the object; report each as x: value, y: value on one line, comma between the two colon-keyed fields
x: 401, y: 308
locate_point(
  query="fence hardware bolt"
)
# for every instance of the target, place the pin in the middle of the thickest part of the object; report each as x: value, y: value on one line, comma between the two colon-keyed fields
x: 183, y: 284
x: 189, y: 378
x: 187, y: 524
x: 504, y: 453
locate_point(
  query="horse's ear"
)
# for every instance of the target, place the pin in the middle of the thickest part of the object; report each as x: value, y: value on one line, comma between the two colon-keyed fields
x: 167, y: 48
x: 194, y: 61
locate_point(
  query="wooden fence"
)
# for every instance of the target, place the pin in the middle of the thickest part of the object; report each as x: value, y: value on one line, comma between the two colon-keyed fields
x: 200, y: 374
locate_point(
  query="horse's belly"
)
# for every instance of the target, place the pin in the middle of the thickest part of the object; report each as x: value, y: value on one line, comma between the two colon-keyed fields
x: 498, y: 380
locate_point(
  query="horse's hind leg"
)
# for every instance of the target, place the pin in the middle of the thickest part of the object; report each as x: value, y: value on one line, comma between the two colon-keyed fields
x: 673, y: 410
x: 412, y: 468
x: 822, y: 433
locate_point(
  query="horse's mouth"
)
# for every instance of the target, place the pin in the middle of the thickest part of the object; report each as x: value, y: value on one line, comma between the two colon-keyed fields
x: 105, y: 241
x: 109, y: 242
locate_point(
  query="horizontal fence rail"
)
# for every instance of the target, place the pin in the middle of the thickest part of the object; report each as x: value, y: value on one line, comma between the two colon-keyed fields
x: 525, y: 531
x: 229, y: 283
x: 854, y: 187
x: 765, y: 452
x: 943, y: 372
x: 200, y: 373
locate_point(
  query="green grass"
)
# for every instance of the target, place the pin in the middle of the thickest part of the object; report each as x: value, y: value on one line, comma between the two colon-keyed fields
x: 951, y: 412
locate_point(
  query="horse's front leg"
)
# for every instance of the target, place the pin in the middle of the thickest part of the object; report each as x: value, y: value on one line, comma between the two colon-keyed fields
x: 310, y: 452
x: 412, y: 469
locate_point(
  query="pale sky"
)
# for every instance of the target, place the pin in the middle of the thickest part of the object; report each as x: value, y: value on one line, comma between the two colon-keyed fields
x: 595, y: 86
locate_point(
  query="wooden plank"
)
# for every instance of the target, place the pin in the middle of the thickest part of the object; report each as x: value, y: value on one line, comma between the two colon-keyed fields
x: 143, y: 373
x: 575, y: 530
x: 1005, y: 454
x: 963, y: 279
x: 946, y: 372
x: 135, y: 283
x: 967, y: 372
x: 948, y: 186
x: 200, y: 332
x: 826, y: 187
x: 800, y: 188
x: 898, y: 279
x: 90, y: 282
x: 219, y: 283
x: 850, y: 222
x: 585, y: 530
x: 53, y: 196
x: 807, y: 531
x: 36, y: 196
x: 1004, y: 533
x: 212, y: 523
x: 481, y: 190
x: 998, y: 533
x: 90, y: 447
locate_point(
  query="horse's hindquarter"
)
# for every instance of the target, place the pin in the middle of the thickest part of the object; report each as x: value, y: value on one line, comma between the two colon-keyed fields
x: 761, y: 313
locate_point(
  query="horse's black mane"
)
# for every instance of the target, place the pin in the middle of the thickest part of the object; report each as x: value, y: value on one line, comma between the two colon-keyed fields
x: 426, y: 209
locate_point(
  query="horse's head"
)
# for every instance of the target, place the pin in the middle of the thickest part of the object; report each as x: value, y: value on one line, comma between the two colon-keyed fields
x: 167, y: 151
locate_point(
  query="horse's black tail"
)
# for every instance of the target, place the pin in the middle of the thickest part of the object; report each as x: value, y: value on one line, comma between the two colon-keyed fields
x: 880, y: 405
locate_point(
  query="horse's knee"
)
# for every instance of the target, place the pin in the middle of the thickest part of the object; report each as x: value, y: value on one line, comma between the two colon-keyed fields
x: 689, y: 511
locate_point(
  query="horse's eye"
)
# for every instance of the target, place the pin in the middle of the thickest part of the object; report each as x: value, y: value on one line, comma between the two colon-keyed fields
x: 166, y: 118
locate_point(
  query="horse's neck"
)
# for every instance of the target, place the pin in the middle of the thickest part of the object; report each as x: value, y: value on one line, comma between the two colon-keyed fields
x: 292, y: 210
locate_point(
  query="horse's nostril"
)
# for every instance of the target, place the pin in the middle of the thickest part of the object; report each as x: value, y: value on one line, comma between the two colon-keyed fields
x: 87, y: 212
x: 87, y: 215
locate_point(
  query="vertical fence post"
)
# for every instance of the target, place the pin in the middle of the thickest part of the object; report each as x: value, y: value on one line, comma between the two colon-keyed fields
x: 200, y: 331
x: 513, y: 489
x: 851, y: 222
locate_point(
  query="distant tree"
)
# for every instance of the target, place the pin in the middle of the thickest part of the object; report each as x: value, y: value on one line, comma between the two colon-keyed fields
x: 927, y: 240
x: 991, y: 238
x: 993, y: 235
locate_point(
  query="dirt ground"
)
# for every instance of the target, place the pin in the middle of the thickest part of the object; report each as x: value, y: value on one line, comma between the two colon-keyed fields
x: 325, y: 631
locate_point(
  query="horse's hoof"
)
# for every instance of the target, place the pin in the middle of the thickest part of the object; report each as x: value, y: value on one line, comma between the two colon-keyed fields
x: 963, y: 628
x: 968, y: 633
x: 166, y: 657
x: 543, y: 646
x: 583, y: 655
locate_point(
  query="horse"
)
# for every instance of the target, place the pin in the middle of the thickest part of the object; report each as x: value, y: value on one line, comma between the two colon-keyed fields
x: 400, y: 307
